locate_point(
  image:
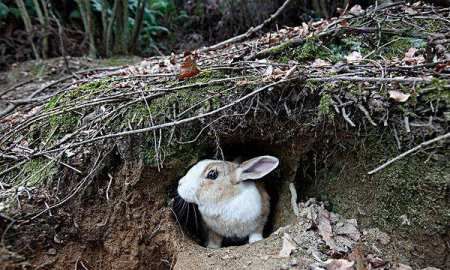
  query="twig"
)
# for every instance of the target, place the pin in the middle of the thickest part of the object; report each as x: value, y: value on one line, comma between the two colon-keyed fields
x: 294, y: 199
x: 3, y: 92
x: 442, y: 137
x: 367, y: 79
x: 78, y: 188
x: 109, y: 186
x: 406, y: 120
x: 366, y: 113
x: 249, y: 32
x: 64, y: 164
x: 176, y: 122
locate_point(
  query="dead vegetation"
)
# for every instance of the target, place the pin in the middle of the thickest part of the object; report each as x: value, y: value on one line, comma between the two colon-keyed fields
x: 368, y: 71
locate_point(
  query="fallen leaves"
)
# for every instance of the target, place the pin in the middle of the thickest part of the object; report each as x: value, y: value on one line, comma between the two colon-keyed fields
x: 354, y: 57
x: 324, y: 227
x: 441, y: 67
x: 398, y: 96
x: 20, y: 116
x: 338, y: 233
x: 189, y: 67
x: 410, y: 11
x: 333, y: 264
x: 318, y: 63
x: 356, y: 10
x: 401, y: 266
x: 288, y: 246
x: 339, y: 264
x: 411, y: 58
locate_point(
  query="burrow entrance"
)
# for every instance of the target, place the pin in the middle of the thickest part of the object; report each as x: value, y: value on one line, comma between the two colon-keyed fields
x: 297, y: 166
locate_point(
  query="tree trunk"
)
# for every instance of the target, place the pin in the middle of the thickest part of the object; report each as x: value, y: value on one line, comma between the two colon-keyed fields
x: 109, y: 32
x: 86, y: 16
x: 120, y: 41
x: 91, y: 27
x: 28, y: 26
x: 137, y: 26
x: 105, y: 6
x: 42, y: 21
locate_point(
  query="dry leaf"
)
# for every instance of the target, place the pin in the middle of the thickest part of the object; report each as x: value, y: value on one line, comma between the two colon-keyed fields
x: 268, y: 71
x: 304, y: 30
x: 173, y: 59
x: 410, y: 53
x: 376, y: 262
x: 401, y: 266
x: 398, y: 96
x: 320, y: 63
x: 324, y: 226
x: 288, y: 246
x: 356, y: 10
x: 410, y: 11
x: 339, y: 264
x: 349, y: 228
x: 354, y: 57
x: 344, y: 23
x: 188, y: 68
x: 441, y: 67
x: 357, y: 256
x: 411, y: 59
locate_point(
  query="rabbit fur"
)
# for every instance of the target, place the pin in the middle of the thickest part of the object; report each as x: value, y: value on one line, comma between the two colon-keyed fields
x: 230, y: 205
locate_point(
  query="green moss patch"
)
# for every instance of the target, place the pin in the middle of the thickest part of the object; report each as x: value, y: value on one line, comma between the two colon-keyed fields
x: 37, y: 172
x: 398, y: 198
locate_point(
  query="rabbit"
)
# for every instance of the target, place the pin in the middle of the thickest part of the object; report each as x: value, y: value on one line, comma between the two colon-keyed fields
x: 230, y: 206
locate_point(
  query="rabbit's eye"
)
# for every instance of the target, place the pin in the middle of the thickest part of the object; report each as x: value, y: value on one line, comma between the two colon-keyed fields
x: 212, y: 174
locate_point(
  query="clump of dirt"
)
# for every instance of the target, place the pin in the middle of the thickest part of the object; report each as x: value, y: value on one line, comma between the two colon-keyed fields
x: 130, y: 228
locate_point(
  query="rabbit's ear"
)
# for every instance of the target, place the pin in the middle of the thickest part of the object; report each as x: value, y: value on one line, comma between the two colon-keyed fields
x: 257, y: 167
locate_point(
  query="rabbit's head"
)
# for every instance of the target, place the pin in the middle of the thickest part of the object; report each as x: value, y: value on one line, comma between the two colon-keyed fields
x: 215, y: 181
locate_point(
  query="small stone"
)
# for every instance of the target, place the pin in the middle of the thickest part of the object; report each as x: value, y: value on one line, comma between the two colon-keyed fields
x: 376, y: 262
x: 401, y: 266
x: 293, y: 262
x: 265, y: 257
x: 51, y: 251
x: 284, y: 267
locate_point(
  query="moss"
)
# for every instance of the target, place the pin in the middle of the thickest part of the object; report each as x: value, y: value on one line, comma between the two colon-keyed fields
x: 119, y: 61
x: 324, y: 106
x: 88, y: 89
x: 397, y: 46
x: 397, y: 191
x: 205, y: 76
x: 440, y: 91
x: 311, y: 50
x: 174, y: 154
x: 38, y: 70
x: 184, y: 101
x: 431, y: 25
x: 84, y: 91
x: 38, y: 172
x: 279, y: 49
x: 64, y: 122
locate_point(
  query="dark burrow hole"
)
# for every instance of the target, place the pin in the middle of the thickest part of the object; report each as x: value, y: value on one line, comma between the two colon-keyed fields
x: 188, y: 215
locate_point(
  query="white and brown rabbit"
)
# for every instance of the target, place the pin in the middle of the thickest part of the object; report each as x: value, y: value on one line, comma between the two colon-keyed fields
x: 230, y: 205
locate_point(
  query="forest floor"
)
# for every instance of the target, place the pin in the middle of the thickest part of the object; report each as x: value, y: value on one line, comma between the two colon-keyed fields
x: 355, y: 107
